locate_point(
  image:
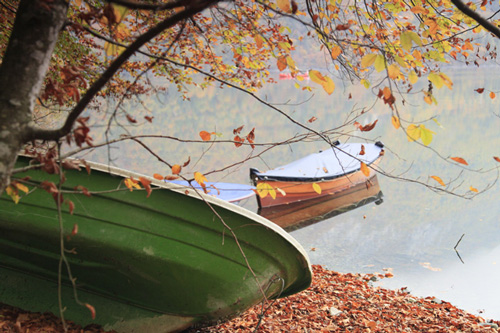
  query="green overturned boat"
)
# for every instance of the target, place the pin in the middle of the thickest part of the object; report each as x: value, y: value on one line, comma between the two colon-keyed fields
x: 146, y: 264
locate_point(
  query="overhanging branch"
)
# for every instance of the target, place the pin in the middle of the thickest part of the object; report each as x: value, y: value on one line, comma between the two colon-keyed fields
x: 478, y: 18
x: 194, y: 8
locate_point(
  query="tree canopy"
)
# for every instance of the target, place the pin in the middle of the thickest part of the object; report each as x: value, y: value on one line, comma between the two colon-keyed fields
x: 59, y: 58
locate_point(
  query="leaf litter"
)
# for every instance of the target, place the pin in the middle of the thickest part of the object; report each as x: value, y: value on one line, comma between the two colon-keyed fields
x: 335, y: 302
x: 338, y: 302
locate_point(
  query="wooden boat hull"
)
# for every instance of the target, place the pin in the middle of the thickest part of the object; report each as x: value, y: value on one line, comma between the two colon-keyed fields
x: 303, y: 213
x: 317, y: 175
x: 154, y: 264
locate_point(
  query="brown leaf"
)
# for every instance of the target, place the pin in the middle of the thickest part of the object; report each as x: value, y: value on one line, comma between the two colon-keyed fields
x: 312, y: 119
x: 187, y: 162
x: 479, y: 90
x: 496, y: 158
x: 158, y: 176
x: 365, y: 128
x: 131, y: 119
x: 238, y: 130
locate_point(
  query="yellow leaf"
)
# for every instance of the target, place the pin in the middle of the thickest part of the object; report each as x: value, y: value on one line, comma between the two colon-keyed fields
x: 336, y: 51
x: 329, y: 85
x: 316, y: 76
x: 325, y: 81
x: 393, y: 71
x: 413, y: 132
x: 131, y: 184
x: 284, y: 5
x: 436, y: 79
x: 395, y: 122
x: 379, y: 63
x: 413, y: 77
x: 364, y: 169
x: 112, y: 49
x: 12, y: 193
x: 200, y: 178
x: 291, y: 63
x: 120, y: 11
x: 368, y: 60
x: 446, y: 80
x: 22, y: 187
x: 405, y: 40
x: 473, y: 189
x: 439, y: 180
x: 316, y: 188
x: 263, y: 189
x: 365, y: 83
x: 425, y: 135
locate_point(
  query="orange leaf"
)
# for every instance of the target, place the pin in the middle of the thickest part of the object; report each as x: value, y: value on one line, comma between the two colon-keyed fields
x: 170, y: 177
x: 75, y: 230
x: 395, y: 122
x: 473, y: 189
x: 92, y: 309
x: 158, y: 176
x: 439, y: 180
x: 200, y: 178
x: 238, y: 141
x: 146, y: 183
x: 281, y: 63
x: 205, y: 136
x: 364, y: 169
x: 492, y: 95
x: 312, y: 119
x: 460, y: 160
x: 176, y: 169
x: 362, y: 152
x: 497, y: 159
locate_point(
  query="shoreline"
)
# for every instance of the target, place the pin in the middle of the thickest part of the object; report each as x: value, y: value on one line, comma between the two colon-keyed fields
x: 335, y: 302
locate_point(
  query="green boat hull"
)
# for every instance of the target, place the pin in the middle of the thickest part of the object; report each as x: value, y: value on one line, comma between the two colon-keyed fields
x: 147, y: 264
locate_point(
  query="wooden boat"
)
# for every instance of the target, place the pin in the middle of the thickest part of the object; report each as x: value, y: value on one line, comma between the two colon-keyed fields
x: 146, y: 264
x: 230, y: 192
x: 300, y: 214
x: 322, y: 174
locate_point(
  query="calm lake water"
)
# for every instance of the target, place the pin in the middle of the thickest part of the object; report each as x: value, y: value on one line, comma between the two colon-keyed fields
x: 414, y: 231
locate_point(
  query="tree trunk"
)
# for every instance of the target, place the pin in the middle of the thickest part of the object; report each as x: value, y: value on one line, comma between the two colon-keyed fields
x: 22, y: 71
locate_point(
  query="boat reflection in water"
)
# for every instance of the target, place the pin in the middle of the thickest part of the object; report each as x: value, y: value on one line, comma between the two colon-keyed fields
x: 300, y: 214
